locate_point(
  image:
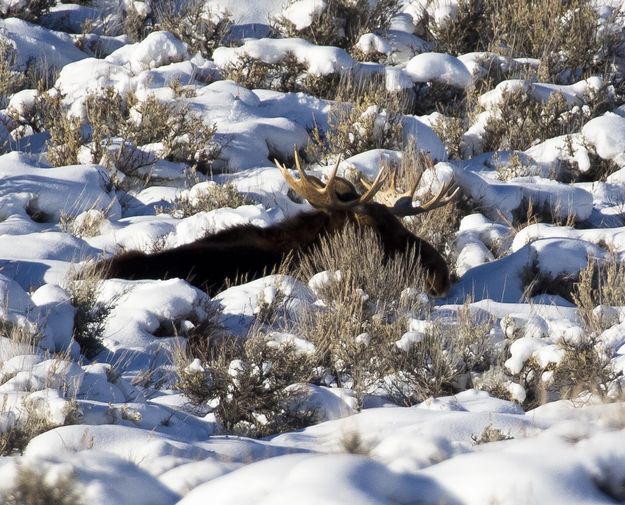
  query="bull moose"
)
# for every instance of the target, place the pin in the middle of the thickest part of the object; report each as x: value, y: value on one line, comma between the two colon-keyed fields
x: 248, y: 251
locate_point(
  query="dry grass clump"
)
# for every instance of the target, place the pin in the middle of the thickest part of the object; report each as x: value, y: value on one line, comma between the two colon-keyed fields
x: 490, y: 434
x: 357, y: 253
x: 20, y: 334
x: 90, y: 318
x: 342, y: 22
x: 31, y: 423
x: 254, y: 385
x: 34, y: 487
x: 87, y: 224
x: 134, y: 23
x: 210, y: 197
x: 193, y: 23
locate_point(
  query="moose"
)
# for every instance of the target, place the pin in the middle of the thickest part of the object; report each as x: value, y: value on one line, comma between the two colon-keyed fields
x: 249, y: 252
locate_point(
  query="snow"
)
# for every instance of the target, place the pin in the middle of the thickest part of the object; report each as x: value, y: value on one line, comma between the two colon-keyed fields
x: 440, y: 68
x: 302, y: 12
x: 118, y: 425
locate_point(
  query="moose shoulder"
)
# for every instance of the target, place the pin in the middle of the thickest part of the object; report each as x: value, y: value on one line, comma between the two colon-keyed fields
x: 248, y: 251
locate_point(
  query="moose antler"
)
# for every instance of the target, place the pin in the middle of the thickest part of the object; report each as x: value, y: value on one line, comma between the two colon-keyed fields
x: 326, y: 196
x: 400, y: 203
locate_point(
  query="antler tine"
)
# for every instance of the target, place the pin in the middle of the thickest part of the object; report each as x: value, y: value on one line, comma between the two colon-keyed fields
x: 291, y: 181
x: 403, y: 207
x: 376, y: 185
x: 312, y: 189
x: 331, y: 183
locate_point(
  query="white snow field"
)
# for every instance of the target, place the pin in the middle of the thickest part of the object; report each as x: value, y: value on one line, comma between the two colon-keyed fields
x: 97, y: 400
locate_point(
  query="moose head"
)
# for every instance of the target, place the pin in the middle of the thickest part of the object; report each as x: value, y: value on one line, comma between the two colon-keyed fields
x: 248, y: 251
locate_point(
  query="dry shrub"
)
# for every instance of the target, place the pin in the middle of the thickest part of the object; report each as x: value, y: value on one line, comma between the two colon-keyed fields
x: 181, y: 134
x: 523, y: 121
x: 599, y: 285
x: 285, y: 75
x: 428, y: 368
x: 358, y: 254
x: 464, y: 33
x: 441, y: 97
x: 32, y: 11
x: 65, y: 135
x: 193, y: 23
x: 34, y: 487
x: 565, y: 36
x: 364, y: 116
x: 211, y: 197
x: 490, y: 434
x: 254, y: 385
x: 106, y: 113
x: 31, y: 423
x: 366, y: 306
x: 133, y: 23
x: 442, y: 361
x: 11, y: 81
x: 451, y: 131
x: 585, y: 367
x: 350, y: 340
x: 342, y: 22
x: 91, y: 316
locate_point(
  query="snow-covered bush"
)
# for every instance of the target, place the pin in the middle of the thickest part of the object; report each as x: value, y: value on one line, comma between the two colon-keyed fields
x: 65, y: 133
x: 335, y: 22
x: 284, y: 75
x: 29, y: 10
x: 364, y: 116
x: 571, y: 39
x: 254, y: 386
x: 522, y: 120
x: 436, y: 358
x: 193, y: 23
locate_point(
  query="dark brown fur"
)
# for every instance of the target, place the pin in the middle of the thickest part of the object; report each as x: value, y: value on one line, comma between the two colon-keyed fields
x: 250, y: 252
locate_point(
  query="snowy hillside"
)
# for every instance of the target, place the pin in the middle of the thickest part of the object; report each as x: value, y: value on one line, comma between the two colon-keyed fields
x: 337, y: 379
